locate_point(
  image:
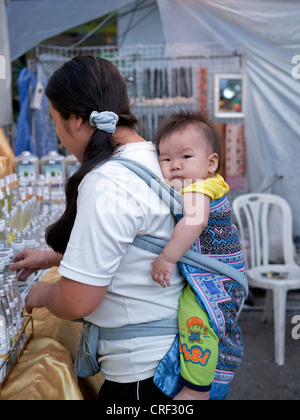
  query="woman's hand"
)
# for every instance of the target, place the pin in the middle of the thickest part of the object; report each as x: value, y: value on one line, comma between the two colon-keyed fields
x: 31, y: 260
x: 36, y: 296
x: 162, y: 271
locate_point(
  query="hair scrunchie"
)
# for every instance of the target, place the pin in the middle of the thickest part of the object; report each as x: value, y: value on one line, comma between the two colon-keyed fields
x: 104, y: 121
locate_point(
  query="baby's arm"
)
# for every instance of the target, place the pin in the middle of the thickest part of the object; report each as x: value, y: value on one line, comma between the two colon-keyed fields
x: 186, y: 232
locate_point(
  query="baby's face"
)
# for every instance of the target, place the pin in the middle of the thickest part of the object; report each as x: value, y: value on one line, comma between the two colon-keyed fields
x: 185, y: 157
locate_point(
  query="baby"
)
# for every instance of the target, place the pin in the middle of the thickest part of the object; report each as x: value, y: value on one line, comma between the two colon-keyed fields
x: 189, y: 157
x: 189, y: 160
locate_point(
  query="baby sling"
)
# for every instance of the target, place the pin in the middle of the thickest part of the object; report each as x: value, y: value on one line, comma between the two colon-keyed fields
x: 167, y: 376
x: 206, y: 276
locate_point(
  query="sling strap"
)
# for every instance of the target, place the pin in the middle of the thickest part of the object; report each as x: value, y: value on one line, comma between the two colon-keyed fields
x: 173, y: 199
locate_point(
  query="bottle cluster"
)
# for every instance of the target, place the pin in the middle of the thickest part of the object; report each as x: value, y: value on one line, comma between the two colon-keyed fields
x: 28, y: 204
x: 11, y: 310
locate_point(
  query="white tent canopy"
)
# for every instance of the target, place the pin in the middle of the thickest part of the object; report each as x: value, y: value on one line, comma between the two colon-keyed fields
x: 269, y: 33
x: 5, y: 70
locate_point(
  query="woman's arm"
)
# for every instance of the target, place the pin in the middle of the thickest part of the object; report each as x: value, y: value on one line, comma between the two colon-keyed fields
x: 66, y: 299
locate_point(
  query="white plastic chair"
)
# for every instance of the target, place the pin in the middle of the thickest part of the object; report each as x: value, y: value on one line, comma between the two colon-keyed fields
x: 252, y: 212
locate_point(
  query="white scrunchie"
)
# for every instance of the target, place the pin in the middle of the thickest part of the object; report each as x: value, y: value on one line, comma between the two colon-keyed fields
x: 104, y: 121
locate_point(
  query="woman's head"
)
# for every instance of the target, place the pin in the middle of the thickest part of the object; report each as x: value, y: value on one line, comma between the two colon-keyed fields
x: 81, y: 86
x: 86, y: 84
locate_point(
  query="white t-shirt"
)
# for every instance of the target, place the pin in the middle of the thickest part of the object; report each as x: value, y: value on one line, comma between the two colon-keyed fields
x: 114, y: 206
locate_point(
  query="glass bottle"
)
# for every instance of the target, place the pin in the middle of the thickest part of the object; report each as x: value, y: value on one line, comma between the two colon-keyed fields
x: 12, y: 307
x: 4, y: 343
x: 2, y: 203
x: 29, y: 239
x: 5, y: 258
x: 2, y: 234
x: 16, y: 294
x: 7, y: 186
x: 8, y: 228
x: 71, y: 165
x: 17, y: 246
x: 14, y: 218
x: 10, y: 326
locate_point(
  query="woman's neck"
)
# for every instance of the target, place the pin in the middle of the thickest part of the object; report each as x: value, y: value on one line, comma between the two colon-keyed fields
x: 125, y: 135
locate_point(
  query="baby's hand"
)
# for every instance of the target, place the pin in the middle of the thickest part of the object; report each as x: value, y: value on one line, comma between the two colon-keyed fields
x: 162, y: 271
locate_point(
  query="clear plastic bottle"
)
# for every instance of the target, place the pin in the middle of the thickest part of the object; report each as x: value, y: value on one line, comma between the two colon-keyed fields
x: 71, y: 165
x: 4, y: 341
x: 52, y: 167
x: 27, y: 167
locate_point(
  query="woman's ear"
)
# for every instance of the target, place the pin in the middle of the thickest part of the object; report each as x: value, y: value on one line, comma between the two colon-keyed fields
x: 213, y: 162
x: 78, y: 121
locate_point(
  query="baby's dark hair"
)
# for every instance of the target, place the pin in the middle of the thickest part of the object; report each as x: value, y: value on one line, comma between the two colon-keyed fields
x: 183, y: 118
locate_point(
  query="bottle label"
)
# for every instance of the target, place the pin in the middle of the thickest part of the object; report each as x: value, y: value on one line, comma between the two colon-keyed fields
x: 26, y: 171
x: 54, y: 173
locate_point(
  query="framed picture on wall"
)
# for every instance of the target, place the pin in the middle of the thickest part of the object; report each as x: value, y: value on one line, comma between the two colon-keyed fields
x: 229, y: 96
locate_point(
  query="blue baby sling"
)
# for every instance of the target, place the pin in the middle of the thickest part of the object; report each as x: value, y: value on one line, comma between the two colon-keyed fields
x: 207, y: 277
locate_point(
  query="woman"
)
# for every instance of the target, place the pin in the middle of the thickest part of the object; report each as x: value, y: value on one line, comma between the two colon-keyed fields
x: 105, y: 279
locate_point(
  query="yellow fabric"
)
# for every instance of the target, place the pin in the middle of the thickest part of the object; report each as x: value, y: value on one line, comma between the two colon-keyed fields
x: 6, y: 150
x: 214, y: 187
x: 45, y: 370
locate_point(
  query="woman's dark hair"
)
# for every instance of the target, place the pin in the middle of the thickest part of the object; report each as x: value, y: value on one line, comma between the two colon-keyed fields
x: 183, y: 118
x: 81, y: 86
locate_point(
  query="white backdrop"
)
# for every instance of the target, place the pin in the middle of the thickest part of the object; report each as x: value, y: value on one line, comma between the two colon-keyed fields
x: 269, y: 32
x: 5, y: 70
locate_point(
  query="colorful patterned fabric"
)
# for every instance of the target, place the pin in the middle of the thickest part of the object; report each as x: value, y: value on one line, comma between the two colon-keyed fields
x: 222, y: 299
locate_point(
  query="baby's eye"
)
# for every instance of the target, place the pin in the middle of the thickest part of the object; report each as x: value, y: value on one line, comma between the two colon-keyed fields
x: 186, y: 156
x: 165, y: 160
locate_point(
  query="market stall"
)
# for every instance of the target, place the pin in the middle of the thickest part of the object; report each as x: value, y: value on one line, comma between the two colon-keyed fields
x: 237, y: 61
